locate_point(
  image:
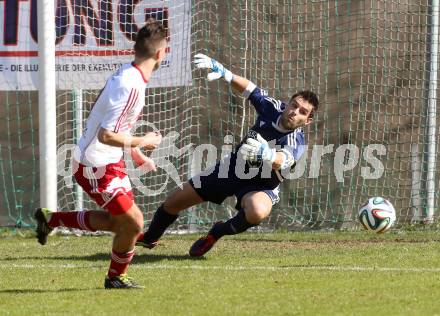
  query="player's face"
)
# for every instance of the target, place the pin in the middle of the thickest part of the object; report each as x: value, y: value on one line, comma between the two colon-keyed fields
x: 296, y: 114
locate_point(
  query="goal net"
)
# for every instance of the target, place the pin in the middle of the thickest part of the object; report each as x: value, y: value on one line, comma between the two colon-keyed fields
x: 368, y: 61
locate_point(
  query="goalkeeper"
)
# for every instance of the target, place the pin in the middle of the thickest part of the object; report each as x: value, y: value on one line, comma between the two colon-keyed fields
x: 279, y: 124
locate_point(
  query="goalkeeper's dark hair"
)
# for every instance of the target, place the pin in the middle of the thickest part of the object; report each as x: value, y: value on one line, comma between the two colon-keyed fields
x: 148, y: 39
x: 308, y: 96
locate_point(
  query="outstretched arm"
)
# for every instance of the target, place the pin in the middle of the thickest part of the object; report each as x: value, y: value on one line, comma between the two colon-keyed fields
x: 240, y: 84
x: 257, y: 97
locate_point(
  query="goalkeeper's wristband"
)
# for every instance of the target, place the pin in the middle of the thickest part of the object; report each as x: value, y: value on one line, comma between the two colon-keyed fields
x: 228, y: 76
x: 273, y: 156
x: 268, y: 154
x: 288, y: 160
x: 249, y: 89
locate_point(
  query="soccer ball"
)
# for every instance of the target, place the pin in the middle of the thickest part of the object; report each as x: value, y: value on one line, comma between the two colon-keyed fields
x: 377, y: 215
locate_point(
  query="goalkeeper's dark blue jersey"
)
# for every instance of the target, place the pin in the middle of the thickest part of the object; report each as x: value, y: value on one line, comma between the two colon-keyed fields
x: 269, y: 113
x: 267, y: 125
x: 222, y: 180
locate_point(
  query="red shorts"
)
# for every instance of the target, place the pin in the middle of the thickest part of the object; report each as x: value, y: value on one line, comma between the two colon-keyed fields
x: 109, y: 186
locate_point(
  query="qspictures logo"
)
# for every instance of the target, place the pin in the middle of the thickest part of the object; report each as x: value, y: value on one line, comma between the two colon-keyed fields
x: 202, y: 157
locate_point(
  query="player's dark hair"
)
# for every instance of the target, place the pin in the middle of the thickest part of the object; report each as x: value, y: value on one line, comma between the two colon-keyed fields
x: 148, y: 39
x: 308, y: 96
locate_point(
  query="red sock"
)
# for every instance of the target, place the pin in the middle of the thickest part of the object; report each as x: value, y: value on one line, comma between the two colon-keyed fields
x: 80, y: 220
x: 119, y: 263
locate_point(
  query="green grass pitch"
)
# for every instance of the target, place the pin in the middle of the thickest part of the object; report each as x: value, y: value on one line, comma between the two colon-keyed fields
x: 337, y: 273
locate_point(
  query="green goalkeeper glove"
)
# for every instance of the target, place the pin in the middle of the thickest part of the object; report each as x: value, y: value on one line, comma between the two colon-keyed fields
x: 218, y: 70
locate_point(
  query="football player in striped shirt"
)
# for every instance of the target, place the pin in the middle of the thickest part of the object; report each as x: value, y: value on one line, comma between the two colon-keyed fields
x: 99, y: 167
x: 272, y: 146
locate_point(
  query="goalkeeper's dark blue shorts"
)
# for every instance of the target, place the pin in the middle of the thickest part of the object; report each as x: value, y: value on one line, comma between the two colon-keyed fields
x: 213, y: 188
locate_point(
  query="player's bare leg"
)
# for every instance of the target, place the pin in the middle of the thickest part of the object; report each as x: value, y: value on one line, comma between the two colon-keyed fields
x: 182, y: 199
x: 256, y: 206
x: 167, y: 214
x: 127, y: 227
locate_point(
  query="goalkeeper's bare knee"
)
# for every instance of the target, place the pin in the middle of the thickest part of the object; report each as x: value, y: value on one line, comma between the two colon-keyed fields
x: 257, y: 207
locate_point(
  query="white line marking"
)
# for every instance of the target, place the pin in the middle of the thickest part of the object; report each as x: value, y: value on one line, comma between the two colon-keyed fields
x: 226, y: 268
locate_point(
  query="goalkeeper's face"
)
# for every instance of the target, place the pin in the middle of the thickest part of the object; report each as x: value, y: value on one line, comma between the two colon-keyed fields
x: 297, y: 113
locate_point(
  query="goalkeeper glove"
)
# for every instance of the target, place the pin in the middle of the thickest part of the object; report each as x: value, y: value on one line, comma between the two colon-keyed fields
x: 218, y: 70
x: 257, y: 150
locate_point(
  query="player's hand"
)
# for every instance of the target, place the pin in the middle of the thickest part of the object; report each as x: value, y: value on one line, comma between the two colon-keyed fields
x: 141, y: 161
x: 218, y: 70
x: 255, y: 150
x: 151, y: 140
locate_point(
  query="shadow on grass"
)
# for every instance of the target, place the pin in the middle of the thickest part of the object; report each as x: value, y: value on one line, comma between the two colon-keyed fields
x: 145, y: 258
x: 337, y: 239
x: 139, y: 258
x: 36, y: 291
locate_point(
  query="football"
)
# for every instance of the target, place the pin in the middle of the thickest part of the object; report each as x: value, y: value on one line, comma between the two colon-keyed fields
x: 377, y: 215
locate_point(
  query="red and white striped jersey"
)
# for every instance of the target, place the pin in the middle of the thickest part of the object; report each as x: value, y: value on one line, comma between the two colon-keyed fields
x: 117, y: 108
